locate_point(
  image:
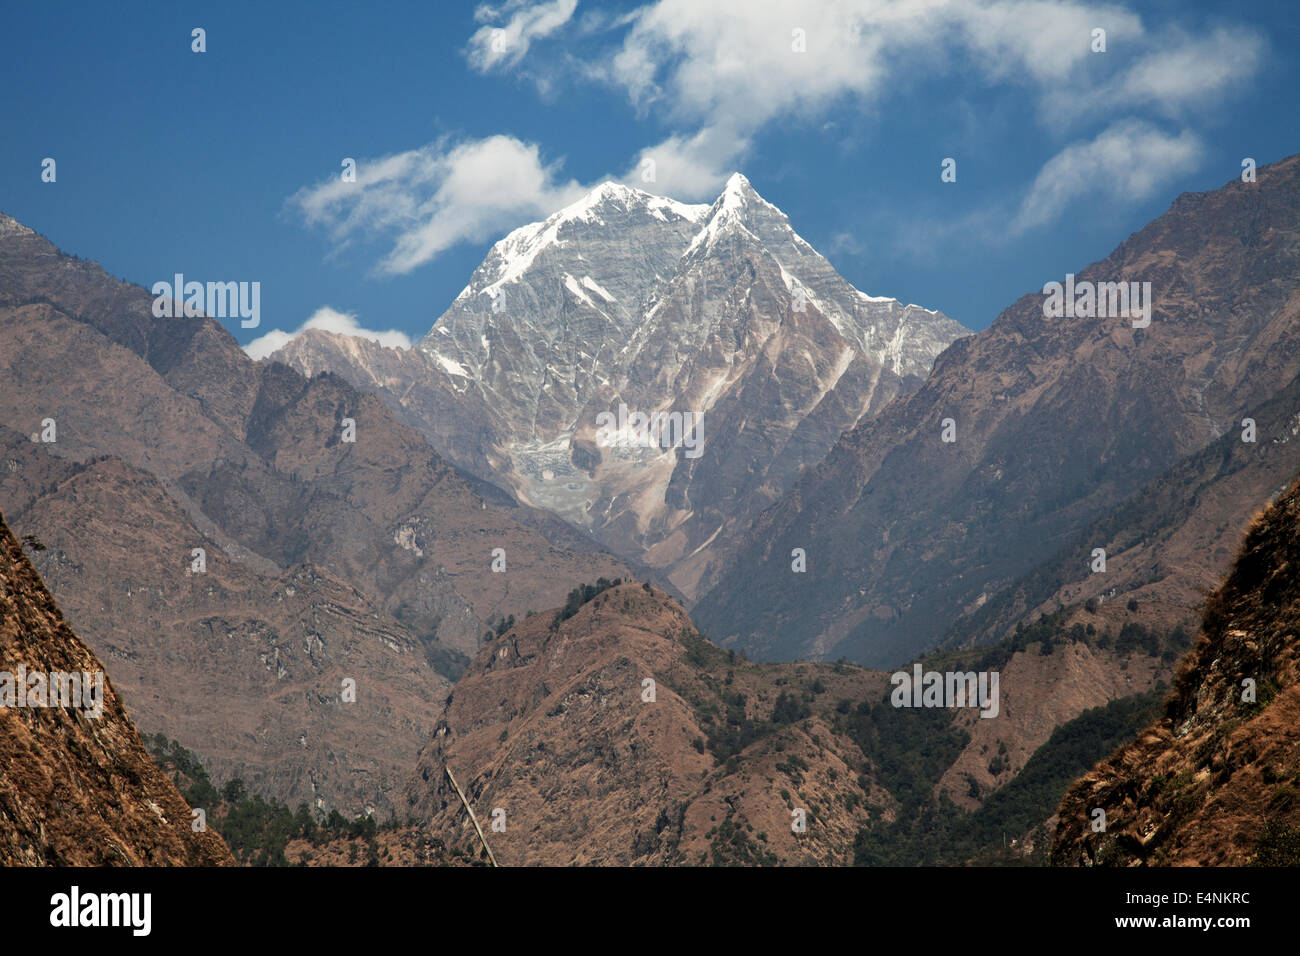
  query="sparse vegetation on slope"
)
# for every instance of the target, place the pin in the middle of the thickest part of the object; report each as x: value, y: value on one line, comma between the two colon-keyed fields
x: 1214, y: 781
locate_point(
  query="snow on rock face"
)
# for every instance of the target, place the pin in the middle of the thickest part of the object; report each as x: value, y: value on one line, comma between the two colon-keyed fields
x: 626, y: 298
x: 11, y: 227
x: 589, y: 208
x: 727, y: 212
x: 451, y: 366
x: 596, y: 288
x: 515, y: 254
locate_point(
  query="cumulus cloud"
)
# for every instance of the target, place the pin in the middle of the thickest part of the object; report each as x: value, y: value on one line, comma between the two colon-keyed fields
x: 688, y: 168
x: 495, y: 45
x: 429, y: 199
x: 724, y: 71
x: 1128, y: 161
x: 717, y: 76
x: 329, y: 320
x: 734, y: 60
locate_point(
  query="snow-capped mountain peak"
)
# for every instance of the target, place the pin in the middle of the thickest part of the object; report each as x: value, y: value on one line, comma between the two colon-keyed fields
x: 610, y: 205
x: 628, y: 302
x: 739, y: 208
x: 588, y: 208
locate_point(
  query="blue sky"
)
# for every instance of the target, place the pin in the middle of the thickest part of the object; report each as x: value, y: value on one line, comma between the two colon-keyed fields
x: 467, y: 121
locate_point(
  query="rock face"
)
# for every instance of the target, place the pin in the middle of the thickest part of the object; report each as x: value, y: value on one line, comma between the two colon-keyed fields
x: 1166, y: 547
x: 553, y: 726
x: 1213, y: 783
x: 325, y: 559
x: 628, y: 299
x: 1057, y: 423
x: 251, y: 664
x: 76, y: 789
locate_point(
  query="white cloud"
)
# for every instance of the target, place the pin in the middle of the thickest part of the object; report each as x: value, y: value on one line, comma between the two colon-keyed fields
x: 716, y: 75
x: 1036, y: 42
x: 730, y: 67
x: 731, y: 62
x: 1190, y: 71
x: 435, y: 197
x: 494, y: 46
x: 1127, y: 162
x: 329, y: 320
x: 723, y: 71
x: 689, y: 168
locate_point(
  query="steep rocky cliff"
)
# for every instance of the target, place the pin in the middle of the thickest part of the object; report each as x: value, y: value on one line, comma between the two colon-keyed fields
x: 75, y: 789
x: 1216, y: 781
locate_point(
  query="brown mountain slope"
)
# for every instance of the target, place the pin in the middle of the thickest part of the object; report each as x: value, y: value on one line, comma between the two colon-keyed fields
x: 1167, y: 547
x: 1040, y: 691
x: 78, y: 790
x: 1057, y: 423
x: 248, y: 666
x: 256, y: 450
x: 1215, y: 781
x: 550, y: 726
x: 247, y: 460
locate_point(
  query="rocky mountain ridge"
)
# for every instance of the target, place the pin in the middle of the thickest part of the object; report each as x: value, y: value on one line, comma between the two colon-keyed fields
x: 628, y: 301
x: 610, y: 731
x: 1055, y: 423
x: 163, y: 437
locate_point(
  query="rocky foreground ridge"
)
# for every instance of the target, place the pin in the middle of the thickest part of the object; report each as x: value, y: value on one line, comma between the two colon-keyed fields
x: 1216, y: 781
x: 75, y: 789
